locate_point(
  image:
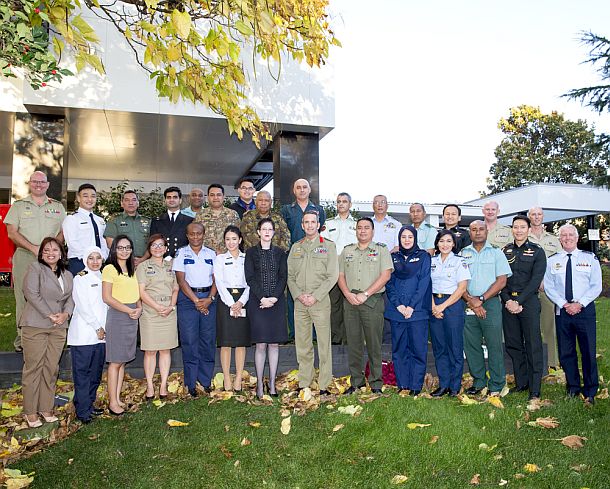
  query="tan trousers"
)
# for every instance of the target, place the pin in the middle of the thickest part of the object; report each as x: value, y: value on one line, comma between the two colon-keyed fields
x: 547, y: 327
x: 21, y: 262
x: 42, y: 350
x: 304, y: 317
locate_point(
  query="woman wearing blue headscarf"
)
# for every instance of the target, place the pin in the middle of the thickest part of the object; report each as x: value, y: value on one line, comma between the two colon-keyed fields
x: 408, y: 310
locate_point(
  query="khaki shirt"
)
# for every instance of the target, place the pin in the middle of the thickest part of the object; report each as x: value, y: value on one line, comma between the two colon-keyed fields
x: 248, y: 226
x: 363, y: 267
x: 312, y: 267
x: 159, y: 283
x: 215, y: 227
x: 36, y: 222
x: 548, y: 242
x: 136, y: 227
x: 500, y: 236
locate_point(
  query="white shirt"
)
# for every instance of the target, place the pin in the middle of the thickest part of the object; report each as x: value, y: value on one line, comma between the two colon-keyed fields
x: 446, y: 275
x: 89, y: 310
x: 79, y: 234
x: 386, y: 231
x: 198, y: 268
x: 229, y: 273
x: 586, y: 277
x: 341, y: 231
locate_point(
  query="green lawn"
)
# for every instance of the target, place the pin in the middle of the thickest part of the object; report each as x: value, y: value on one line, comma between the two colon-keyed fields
x: 7, y: 319
x: 141, y: 451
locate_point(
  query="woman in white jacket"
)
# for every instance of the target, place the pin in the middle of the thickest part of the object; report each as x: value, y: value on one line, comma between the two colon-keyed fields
x: 86, y: 335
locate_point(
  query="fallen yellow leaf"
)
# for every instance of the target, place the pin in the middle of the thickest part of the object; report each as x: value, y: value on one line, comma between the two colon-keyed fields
x: 573, y: 441
x: 531, y: 468
x: 502, y: 482
x: 413, y: 426
x: 158, y: 403
x: 338, y: 427
x: 175, y: 423
x: 305, y: 394
x: 548, y: 422
x: 495, y: 402
x: 467, y: 401
x: 603, y: 394
x: 350, y: 409
x: 399, y: 479
x: 433, y: 440
x: 173, y: 386
x: 254, y: 424
x: 218, y: 380
x: 285, y: 427
x: 245, y: 442
x: 476, y: 480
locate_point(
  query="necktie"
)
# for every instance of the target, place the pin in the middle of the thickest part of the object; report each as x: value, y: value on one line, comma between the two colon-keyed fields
x: 172, y: 218
x: 96, y: 231
x: 569, y: 291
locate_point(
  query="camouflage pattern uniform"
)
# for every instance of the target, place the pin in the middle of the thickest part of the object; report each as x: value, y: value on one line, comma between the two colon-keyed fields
x: 281, y: 238
x: 215, y: 227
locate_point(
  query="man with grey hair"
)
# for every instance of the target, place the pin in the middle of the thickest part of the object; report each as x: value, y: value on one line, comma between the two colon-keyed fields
x: 573, y: 280
x: 426, y: 233
x: 386, y: 227
x: 550, y: 244
x: 497, y: 234
x: 28, y: 222
x: 342, y: 231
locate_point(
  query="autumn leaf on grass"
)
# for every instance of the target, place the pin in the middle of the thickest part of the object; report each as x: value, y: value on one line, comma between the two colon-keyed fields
x: 413, y: 426
x: 225, y: 451
x: 467, y: 401
x: 486, y: 447
x: 433, y: 440
x: 536, y: 404
x: 175, y: 423
x: 218, y: 380
x: 338, y: 427
x: 495, y: 402
x: 305, y: 394
x: 173, y: 386
x: 285, y: 427
x: 350, y: 409
x: 548, y: 422
x: 476, y: 480
x: 15, y: 479
x: 573, y: 441
x: 531, y: 468
x: 399, y: 479
x: 245, y: 442
x: 603, y: 394
x: 158, y: 403
x: 254, y: 424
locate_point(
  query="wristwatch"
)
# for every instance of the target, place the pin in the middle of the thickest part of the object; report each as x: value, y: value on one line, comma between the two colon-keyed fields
x: 212, y: 298
x: 481, y: 298
x: 366, y: 294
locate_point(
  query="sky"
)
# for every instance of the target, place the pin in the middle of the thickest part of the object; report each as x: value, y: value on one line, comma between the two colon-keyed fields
x: 420, y: 88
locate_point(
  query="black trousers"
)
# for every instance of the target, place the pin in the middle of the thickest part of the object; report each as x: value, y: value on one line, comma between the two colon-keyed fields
x: 523, y: 343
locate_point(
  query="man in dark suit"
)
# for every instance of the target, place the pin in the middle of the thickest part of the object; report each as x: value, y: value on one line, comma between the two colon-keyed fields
x: 172, y: 224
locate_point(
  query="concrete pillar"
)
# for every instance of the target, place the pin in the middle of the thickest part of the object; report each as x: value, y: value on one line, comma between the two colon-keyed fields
x: 295, y: 155
x: 39, y: 142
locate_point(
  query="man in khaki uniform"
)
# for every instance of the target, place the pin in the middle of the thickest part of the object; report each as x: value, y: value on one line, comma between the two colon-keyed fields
x: 364, y: 269
x: 130, y: 223
x: 249, y: 224
x: 28, y: 222
x: 497, y: 234
x: 216, y: 218
x: 312, y: 272
x: 550, y: 244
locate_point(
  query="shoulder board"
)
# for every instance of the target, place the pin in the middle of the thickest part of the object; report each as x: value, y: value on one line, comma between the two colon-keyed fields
x: 51, y: 199
x: 588, y: 252
x: 351, y: 245
x: 534, y: 245
x: 301, y: 240
x: 329, y: 240
x: 551, y: 256
x: 383, y: 245
x: 494, y: 246
x: 82, y: 273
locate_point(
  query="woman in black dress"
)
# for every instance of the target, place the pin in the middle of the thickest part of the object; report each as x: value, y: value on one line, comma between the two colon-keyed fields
x: 266, y: 274
x: 232, y: 327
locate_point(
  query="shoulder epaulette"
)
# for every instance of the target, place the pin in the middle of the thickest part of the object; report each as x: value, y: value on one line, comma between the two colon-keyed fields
x: 351, y: 245
x: 588, y: 252
x: 551, y: 256
x: 382, y: 245
x: 82, y: 273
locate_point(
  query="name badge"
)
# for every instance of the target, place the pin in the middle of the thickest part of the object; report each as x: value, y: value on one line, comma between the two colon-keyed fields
x: 94, y: 285
x: 189, y: 261
x: 208, y: 261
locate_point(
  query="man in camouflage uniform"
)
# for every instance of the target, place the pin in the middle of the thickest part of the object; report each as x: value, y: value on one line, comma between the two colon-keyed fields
x: 216, y: 218
x: 28, y: 222
x: 130, y: 223
x: 551, y: 245
x: 497, y: 234
x: 281, y: 238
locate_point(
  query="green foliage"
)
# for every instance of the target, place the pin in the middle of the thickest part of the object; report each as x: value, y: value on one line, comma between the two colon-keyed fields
x: 330, y: 208
x: 109, y: 202
x: 596, y: 97
x: 547, y: 148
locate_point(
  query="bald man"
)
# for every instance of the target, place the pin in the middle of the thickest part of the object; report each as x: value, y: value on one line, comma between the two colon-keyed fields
x: 196, y: 196
x: 497, y: 234
x: 550, y: 244
x: 28, y: 222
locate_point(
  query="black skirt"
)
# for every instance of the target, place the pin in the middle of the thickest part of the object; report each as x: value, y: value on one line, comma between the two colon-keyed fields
x: 231, y: 331
x: 268, y: 325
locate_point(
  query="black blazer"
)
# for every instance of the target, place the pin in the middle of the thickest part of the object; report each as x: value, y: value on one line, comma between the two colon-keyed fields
x: 252, y: 267
x: 175, y: 233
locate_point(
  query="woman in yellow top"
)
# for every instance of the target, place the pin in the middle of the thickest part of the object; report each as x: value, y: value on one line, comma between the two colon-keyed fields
x: 121, y: 292
x: 158, y: 324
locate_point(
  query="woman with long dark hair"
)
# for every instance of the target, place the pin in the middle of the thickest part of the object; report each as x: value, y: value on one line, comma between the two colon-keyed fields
x: 121, y: 292
x: 266, y: 273
x: 47, y: 288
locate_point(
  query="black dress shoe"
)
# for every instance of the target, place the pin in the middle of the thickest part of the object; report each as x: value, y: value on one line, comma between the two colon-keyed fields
x: 162, y: 396
x: 533, y: 395
x: 453, y: 393
x: 193, y: 393
x: 85, y: 420
x: 513, y: 390
x: 573, y: 393
x: 440, y: 392
x: 376, y: 390
x: 97, y: 412
x: 324, y: 392
x: 114, y: 413
x: 349, y: 391
x: 415, y: 393
x: 473, y: 391
x: 589, y: 400
x: 149, y: 398
x: 208, y: 389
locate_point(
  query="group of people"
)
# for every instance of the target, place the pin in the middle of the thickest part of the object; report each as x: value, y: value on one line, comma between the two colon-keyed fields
x: 207, y: 277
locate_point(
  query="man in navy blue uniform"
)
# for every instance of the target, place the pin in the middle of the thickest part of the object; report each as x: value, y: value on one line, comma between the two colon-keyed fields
x: 172, y: 224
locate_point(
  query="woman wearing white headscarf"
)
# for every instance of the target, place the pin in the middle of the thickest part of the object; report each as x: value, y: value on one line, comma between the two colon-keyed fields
x: 86, y: 335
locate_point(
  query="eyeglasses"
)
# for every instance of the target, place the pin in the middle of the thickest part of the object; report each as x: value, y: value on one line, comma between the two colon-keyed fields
x: 249, y: 189
x: 157, y: 245
x: 123, y: 248
x: 38, y: 182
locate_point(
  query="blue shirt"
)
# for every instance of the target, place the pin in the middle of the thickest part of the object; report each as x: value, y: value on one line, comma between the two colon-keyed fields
x: 198, y: 268
x: 586, y: 277
x: 485, y: 267
x: 187, y: 211
x: 446, y: 275
x: 293, y: 215
x: 426, y: 235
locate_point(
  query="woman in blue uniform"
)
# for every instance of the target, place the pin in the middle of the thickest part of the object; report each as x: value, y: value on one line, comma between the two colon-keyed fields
x: 408, y: 309
x: 450, y: 277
